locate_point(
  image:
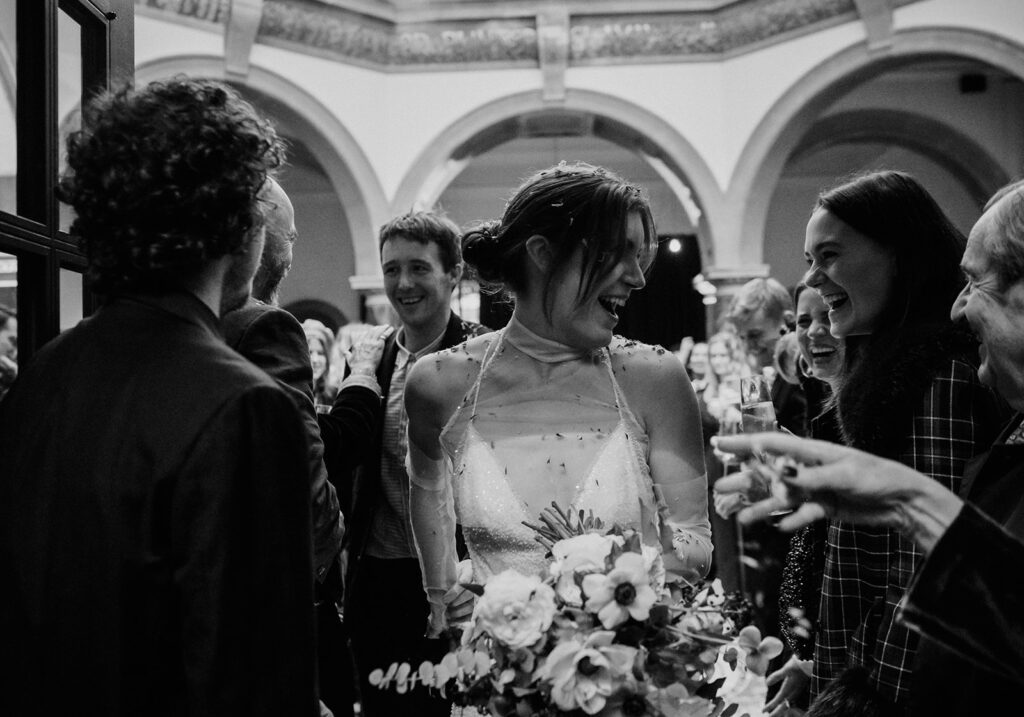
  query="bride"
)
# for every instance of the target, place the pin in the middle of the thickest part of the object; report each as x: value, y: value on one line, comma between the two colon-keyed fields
x: 554, y: 407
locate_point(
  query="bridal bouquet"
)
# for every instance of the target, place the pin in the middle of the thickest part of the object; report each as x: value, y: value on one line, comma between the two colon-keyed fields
x: 603, y: 633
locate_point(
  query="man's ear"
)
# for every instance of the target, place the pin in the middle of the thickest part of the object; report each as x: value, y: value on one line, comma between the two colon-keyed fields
x: 538, y: 248
x: 456, y: 274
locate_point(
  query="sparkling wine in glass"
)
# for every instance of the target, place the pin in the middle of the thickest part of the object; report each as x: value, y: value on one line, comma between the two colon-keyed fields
x: 756, y: 405
x: 759, y: 416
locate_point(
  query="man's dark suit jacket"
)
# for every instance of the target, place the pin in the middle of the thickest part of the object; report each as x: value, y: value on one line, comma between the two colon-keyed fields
x: 154, y: 525
x: 273, y: 339
x: 944, y: 681
x: 366, y: 483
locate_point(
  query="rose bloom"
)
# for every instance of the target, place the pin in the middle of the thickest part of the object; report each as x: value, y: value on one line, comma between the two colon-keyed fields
x: 580, y: 554
x: 584, y: 675
x: 515, y: 609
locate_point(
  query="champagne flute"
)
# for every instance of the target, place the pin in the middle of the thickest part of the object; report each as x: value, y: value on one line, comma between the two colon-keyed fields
x: 759, y: 416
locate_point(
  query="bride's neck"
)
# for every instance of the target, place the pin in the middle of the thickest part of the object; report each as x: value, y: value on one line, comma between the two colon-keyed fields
x: 522, y: 332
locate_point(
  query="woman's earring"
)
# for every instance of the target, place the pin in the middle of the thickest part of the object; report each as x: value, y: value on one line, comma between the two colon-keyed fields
x: 804, y: 368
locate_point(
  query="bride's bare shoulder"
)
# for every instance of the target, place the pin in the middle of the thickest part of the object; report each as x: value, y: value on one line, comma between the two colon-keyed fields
x: 646, y: 361
x: 443, y: 377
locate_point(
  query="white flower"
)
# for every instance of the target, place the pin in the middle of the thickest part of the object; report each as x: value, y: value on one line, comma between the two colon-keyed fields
x: 622, y: 593
x: 655, y: 566
x: 583, y: 675
x: 580, y: 554
x: 515, y: 609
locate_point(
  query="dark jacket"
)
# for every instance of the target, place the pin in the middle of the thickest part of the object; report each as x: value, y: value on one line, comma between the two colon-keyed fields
x: 790, y: 406
x: 273, y: 339
x: 974, y: 605
x: 914, y: 398
x: 154, y: 525
x: 366, y: 479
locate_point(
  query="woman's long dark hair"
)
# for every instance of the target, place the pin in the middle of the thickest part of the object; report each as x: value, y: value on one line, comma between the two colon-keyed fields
x: 894, y: 210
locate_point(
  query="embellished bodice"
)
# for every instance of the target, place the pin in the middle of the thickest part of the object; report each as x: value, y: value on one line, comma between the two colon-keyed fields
x: 515, y: 447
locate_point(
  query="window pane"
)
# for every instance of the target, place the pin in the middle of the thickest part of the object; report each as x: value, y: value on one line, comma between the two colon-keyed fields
x: 71, y: 310
x: 8, y: 102
x: 9, y: 280
x: 69, y: 93
x: 8, y: 322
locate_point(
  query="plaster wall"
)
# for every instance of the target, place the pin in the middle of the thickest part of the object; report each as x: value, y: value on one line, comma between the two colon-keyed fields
x: 990, y: 118
x: 394, y: 116
x: 729, y: 111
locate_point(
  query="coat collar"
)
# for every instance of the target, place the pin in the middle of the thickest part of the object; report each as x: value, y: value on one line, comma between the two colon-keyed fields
x: 182, y: 304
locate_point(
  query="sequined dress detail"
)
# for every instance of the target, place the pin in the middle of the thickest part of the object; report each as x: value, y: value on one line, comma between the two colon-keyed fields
x: 514, y: 451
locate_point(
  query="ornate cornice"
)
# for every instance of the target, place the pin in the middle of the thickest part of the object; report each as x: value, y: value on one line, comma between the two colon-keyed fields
x: 327, y: 29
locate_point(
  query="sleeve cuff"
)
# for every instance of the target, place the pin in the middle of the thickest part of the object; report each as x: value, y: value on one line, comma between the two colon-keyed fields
x: 363, y: 380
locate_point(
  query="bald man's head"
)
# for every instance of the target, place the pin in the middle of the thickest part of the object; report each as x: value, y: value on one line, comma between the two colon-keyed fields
x: 277, y: 251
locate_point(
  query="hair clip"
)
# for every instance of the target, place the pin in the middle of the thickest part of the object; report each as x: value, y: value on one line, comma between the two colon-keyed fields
x: 487, y: 235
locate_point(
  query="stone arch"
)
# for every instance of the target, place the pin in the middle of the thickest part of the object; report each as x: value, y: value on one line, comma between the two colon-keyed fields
x: 794, y: 114
x: 614, y: 119
x: 949, y: 148
x: 349, y: 170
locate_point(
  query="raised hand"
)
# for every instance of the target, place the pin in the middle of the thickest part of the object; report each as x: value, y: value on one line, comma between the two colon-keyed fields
x: 834, y: 481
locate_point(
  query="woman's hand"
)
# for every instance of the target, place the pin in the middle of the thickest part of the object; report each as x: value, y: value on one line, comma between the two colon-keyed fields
x: 795, y: 677
x: 458, y: 600
x: 368, y: 349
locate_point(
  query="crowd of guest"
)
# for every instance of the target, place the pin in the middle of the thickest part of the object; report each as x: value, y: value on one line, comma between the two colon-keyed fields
x: 207, y: 506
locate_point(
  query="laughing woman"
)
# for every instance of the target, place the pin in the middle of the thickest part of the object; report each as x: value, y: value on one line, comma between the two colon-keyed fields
x: 554, y: 407
x: 885, y: 260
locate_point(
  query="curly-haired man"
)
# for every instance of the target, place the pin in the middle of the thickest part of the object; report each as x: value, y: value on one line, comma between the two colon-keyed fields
x: 154, y: 502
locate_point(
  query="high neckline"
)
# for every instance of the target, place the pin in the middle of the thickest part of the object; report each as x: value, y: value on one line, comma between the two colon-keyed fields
x: 537, y: 347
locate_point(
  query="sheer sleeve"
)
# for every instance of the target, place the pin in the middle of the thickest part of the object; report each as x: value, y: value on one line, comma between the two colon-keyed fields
x: 432, y: 512
x: 685, y: 525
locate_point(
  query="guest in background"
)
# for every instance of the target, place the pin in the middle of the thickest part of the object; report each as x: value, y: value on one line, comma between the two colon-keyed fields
x: 155, y: 535
x: 726, y: 364
x: 385, y: 608
x: 885, y: 260
x: 274, y: 340
x: 320, y: 339
x: 820, y: 364
x: 720, y: 413
x: 761, y: 313
x: 697, y: 367
x: 8, y: 348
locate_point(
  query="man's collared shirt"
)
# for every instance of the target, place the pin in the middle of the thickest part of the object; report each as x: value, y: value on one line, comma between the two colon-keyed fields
x: 391, y: 535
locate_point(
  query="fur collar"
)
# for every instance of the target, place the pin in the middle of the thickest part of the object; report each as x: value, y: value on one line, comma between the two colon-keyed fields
x: 886, y: 385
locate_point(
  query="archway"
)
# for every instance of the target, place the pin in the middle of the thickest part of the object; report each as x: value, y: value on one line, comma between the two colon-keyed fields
x: 608, y: 118
x: 792, y: 117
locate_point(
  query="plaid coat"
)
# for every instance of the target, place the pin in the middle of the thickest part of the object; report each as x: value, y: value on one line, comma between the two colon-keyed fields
x: 926, y: 409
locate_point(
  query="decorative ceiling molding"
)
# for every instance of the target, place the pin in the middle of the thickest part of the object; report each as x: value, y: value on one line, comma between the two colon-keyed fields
x: 553, y: 51
x: 510, y: 34
x: 877, y: 18
x: 240, y: 35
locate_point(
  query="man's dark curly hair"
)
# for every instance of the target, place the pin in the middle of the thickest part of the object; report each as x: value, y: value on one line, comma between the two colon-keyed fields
x: 164, y: 179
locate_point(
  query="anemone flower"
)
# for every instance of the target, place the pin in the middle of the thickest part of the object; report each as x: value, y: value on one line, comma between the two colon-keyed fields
x: 621, y: 594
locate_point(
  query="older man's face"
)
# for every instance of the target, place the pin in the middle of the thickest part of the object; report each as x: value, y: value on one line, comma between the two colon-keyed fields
x: 995, y: 313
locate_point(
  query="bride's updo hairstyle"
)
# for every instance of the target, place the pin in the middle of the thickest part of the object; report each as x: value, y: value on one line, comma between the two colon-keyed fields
x: 575, y: 207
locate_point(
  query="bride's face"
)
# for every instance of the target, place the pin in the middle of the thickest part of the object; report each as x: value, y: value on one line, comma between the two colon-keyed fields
x: 588, y: 321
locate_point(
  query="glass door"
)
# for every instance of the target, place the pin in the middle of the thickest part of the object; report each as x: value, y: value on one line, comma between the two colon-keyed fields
x: 54, y: 54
